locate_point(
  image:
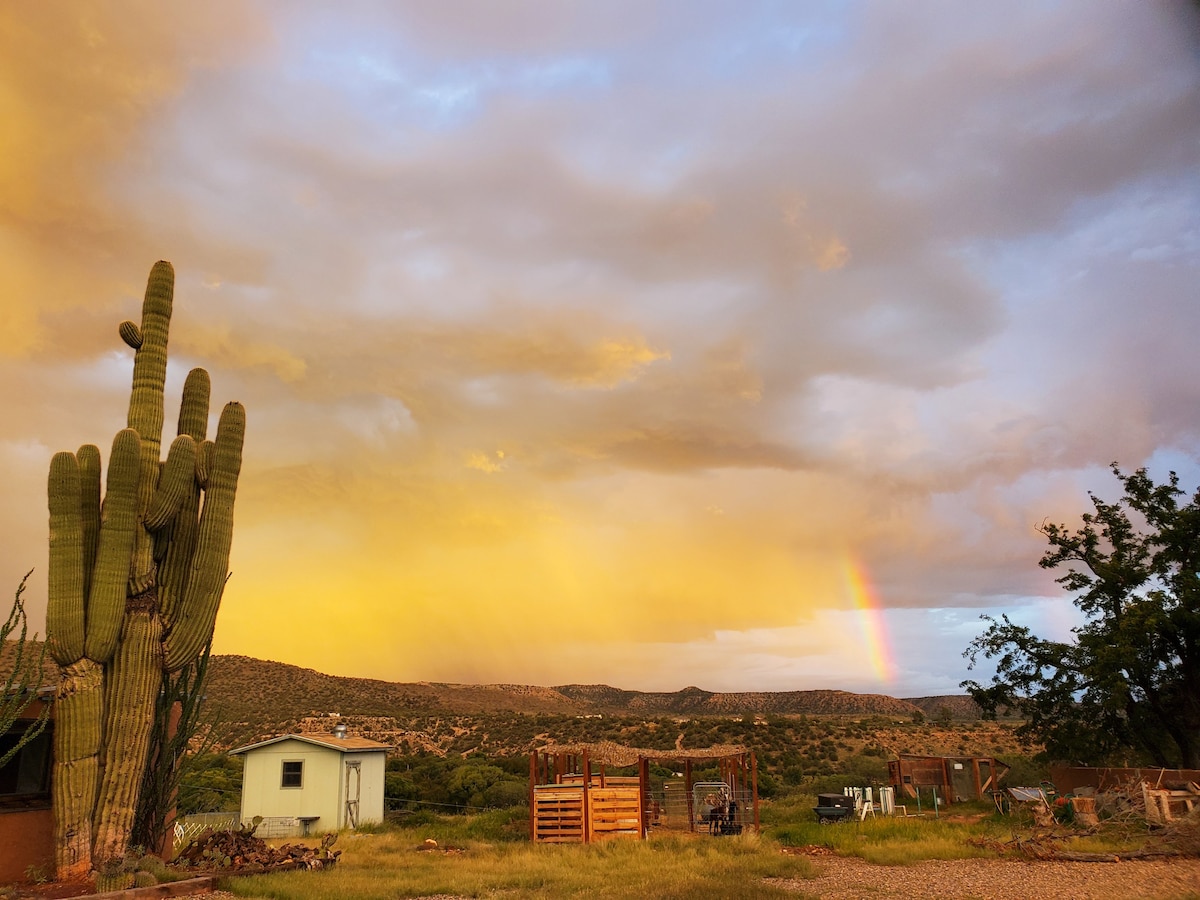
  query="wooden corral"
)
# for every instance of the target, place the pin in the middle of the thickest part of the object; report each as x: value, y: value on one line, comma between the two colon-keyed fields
x: 572, y: 799
x: 956, y: 778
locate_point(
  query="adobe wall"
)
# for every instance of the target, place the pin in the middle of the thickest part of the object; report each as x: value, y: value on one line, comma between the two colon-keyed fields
x: 27, y: 837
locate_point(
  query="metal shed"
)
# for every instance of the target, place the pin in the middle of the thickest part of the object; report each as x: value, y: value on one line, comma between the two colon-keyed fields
x: 302, y: 783
x: 957, y: 778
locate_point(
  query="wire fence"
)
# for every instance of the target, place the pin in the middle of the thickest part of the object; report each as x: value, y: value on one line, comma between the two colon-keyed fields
x: 188, y: 828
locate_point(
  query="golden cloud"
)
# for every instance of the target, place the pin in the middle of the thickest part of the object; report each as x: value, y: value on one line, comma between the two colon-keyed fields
x: 219, y: 345
x: 485, y: 462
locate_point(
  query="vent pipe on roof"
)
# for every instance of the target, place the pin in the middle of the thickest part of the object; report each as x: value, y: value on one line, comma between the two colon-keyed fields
x: 339, y: 731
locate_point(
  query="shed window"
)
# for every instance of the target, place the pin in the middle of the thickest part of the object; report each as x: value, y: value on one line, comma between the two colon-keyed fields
x: 293, y: 774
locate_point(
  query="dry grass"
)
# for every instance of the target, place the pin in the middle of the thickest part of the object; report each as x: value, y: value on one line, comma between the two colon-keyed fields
x: 675, y: 866
x: 488, y: 856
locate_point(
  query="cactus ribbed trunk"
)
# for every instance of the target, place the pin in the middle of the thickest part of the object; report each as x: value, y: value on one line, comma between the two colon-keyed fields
x: 135, y: 584
x: 79, y: 716
x: 134, y: 679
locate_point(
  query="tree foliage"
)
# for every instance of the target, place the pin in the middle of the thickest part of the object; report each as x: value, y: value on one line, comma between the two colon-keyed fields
x: 210, y: 782
x: 23, y: 676
x: 1127, y: 688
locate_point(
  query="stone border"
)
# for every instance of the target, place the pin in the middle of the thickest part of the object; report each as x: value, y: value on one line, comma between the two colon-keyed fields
x: 201, y: 885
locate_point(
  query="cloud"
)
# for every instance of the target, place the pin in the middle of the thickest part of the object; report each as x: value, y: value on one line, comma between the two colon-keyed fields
x: 519, y: 300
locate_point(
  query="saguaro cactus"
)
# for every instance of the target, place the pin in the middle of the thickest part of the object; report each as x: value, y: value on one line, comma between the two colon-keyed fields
x: 134, y: 591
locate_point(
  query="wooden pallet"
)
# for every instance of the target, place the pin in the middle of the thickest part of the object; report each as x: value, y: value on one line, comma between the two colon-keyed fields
x: 615, y: 812
x: 558, y: 814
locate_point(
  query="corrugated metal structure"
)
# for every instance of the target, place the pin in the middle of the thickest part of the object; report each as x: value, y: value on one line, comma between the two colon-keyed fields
x: 956, y: 778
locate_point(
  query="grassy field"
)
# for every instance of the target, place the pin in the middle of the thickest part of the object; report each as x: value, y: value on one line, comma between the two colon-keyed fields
x: 669, y: 866
x: 489, y: 855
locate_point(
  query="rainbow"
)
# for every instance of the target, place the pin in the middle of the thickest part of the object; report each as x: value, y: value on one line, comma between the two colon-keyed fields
x: 863, y: 600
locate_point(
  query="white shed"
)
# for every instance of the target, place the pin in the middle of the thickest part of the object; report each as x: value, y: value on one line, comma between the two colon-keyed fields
x: 311, y: 783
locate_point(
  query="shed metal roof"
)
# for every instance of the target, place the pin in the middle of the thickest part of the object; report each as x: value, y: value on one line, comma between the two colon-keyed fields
x: 345, y: 745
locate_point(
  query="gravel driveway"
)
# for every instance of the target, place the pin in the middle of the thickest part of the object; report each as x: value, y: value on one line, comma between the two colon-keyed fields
x: 850, y: 878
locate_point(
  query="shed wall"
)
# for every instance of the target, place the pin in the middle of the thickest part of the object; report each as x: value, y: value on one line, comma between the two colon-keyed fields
x: 320, y: 793
x: 370, y: 799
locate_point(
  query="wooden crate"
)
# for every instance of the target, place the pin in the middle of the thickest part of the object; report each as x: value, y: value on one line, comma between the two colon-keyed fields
x: 615, y: 812
x: 558, y: 814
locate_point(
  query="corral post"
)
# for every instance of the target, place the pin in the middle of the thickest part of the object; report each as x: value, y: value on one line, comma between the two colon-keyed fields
x: 687, y: 775
x: 533, y: 767
x: 643, y: 794
x: 754, y: 788
x: 587, y: 799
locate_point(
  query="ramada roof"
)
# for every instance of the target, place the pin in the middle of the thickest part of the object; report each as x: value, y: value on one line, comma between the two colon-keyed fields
x: 612, y: 754
x: 333, y: 742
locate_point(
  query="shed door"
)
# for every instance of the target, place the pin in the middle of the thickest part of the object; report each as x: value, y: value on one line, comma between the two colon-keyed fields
x: 353, y: 789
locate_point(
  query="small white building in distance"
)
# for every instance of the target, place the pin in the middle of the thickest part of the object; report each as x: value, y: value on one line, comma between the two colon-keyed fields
x: 312, y: 783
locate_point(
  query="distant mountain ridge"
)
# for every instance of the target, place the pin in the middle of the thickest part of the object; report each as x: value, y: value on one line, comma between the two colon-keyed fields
x: 246, y: 688
x: 242, y: 683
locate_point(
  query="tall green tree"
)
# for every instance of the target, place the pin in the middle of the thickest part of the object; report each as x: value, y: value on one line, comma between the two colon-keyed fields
x: 1127, y: 688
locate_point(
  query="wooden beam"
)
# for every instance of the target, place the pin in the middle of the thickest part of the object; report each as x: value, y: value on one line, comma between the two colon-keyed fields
x: 532, y: 804
x: 587, y: 785
x: 687, y: 781
x: 754, y: 787
x: 643, y: 795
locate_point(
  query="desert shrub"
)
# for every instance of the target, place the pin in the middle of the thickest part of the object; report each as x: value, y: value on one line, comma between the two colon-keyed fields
x: 508, y: 792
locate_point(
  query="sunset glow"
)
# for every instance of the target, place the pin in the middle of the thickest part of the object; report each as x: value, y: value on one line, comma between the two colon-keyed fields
x: 579, y: 341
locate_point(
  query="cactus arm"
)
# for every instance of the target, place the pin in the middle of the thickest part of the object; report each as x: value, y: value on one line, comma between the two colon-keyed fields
x: 65, y: 606
x: 174, y: 568
x: 130, y: 334
x: 150, y: 360
x: 106, y: 601
x: 89, y: 479
x: 205, y: 455
x: 193, y: 409
x: 146, y: 406
x: 194, y: 619
x: 178, y: 475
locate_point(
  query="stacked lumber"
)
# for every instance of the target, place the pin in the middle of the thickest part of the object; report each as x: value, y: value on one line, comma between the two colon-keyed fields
x: 1164, y: 806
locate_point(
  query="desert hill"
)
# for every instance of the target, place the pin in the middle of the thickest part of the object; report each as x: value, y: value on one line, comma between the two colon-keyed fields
x: 251, y: 699
x: 960, y: 706
x: 244, y: 686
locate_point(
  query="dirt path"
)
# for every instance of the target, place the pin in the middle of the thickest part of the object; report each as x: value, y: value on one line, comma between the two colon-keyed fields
x: 842, y: 878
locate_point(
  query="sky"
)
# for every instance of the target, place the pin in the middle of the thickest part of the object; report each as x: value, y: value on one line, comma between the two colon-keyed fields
x: 737, y: 345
